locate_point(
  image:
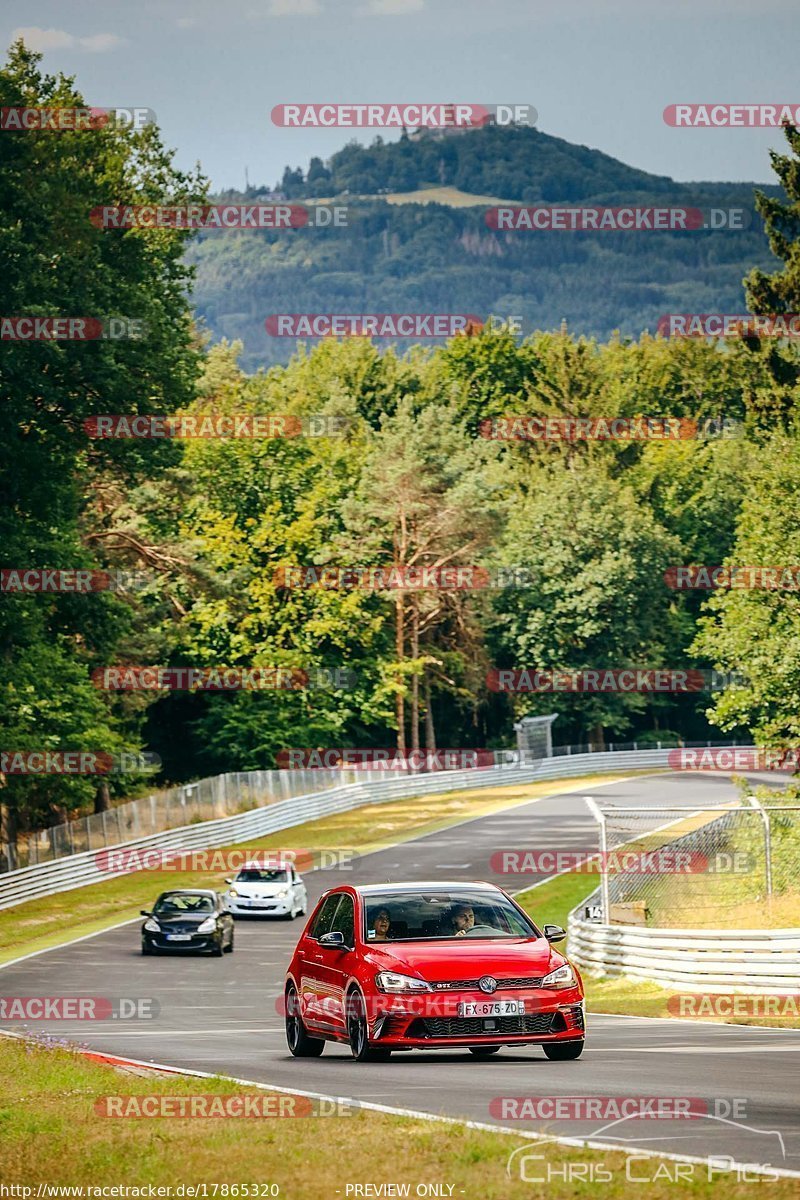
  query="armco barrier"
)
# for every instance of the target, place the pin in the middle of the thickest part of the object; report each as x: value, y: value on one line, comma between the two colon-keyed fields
x: 730, y: 960
x: 78, y: 870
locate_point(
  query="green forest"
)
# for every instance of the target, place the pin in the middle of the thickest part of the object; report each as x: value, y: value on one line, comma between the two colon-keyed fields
x: 205, y: 525
x: 435, y: 257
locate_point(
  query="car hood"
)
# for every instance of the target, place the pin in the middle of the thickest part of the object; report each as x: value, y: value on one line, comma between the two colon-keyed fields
x: 252, y: 890
x: 466, y: 958
x: 184, y: 918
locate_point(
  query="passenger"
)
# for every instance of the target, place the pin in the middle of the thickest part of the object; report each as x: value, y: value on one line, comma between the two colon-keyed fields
x: 382, y: 925
x: 463, y: 919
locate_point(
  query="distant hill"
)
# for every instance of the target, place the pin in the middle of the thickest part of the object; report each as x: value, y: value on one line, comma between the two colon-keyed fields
x: 417, y: 240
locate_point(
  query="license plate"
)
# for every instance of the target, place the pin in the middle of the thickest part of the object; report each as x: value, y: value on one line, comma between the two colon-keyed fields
x: 179, y: 937
x: 491, y: 1008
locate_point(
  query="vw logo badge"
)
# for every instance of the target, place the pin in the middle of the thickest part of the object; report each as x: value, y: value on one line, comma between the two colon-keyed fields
x: 487, y: 983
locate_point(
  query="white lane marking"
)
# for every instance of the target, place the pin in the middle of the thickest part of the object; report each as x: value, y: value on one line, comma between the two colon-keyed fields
x: 439, y: 1118
x: 73, y: 942
x: 734, y: 1049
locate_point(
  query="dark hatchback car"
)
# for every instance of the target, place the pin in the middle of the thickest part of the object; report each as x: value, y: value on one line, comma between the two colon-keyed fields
x: 188, y: 920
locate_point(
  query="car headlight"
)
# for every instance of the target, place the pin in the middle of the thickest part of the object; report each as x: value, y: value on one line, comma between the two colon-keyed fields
x: 207, y: 926
x: 152, y: 926
x: 390, y: 981
x: 281, y: 892
x: 233, y: 892
x: 563, y: 976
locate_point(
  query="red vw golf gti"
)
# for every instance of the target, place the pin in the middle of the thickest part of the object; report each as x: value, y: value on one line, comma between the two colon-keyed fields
x: 430, y: 966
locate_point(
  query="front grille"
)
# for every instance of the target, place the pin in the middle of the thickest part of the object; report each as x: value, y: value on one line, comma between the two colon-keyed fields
x: 180, y: 927
x: 438, y: 1027
x: 471, y: 985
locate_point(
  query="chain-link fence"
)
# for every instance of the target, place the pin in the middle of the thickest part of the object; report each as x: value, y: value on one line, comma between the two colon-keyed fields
x: 700, y: 867
x: 217, y: 796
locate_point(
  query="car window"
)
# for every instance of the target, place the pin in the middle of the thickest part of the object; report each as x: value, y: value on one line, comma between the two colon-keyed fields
x: 322, y: 921
x: 260, y: 875
x: 344, y: 921
x: 175, y: 902
x: 446, y: 914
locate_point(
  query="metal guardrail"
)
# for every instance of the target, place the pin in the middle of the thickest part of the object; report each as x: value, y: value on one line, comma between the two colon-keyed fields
x: 78, y: 870
x: 761, y: 961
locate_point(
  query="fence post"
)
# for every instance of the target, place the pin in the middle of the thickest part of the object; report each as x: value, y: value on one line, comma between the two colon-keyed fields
x: 599, y: 816
x: 767, y: 841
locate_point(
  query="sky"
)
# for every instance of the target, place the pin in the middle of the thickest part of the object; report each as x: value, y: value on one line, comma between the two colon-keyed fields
x: 598, y: 72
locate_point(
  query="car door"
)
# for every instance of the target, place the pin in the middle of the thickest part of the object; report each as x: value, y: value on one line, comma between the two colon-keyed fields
x: 299, y: 895
x: 224, y: 918
x: 333, y: 966
x: 311, y: 984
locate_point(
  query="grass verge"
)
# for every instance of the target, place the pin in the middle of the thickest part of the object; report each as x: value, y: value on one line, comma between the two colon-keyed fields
x: 553, y: 901
x: 52, y: 920
x: 52, y: 1136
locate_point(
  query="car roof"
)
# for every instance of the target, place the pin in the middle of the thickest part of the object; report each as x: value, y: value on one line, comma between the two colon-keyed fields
x: 378, y: 889
x: 278, y: 864
x: 188, y: 892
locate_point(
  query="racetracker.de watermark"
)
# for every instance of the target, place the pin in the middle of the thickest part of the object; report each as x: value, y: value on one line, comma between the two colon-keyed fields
x: 397, y: 578
x: 380, y: 325
x: 562, y: 218
x: 70, y: 329
x: 220, y: 679
x: 515, y: 427
x: 610, y: 1108
x: 721, y: 325
x: 261, y: 1106
x: 260, y: 426
x: 724, y: 1005
x: 735, y: 758
x: 387, y: 758
x: 219, y: 216
x: 123, y: 860
x: 758, y: 578
x: 79, y: 1008
x: 662, y: 861
x: 69, y: 580
x: 73, y: 120
x: 77, y: 762
x: 400, y: 116
x: 731, y: 116
x: 624, y: 679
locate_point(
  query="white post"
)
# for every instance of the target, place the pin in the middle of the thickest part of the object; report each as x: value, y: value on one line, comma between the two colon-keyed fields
x: 599, y: 816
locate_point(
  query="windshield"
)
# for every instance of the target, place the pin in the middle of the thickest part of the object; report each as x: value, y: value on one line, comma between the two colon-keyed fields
x: 179, y: 902
x: 410, y: 916
x: 260, y: 875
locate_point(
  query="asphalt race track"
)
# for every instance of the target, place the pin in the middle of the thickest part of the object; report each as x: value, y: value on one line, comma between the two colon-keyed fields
x: 222, y: 1015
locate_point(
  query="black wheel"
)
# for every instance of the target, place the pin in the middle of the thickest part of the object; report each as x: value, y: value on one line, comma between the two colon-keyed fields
x: 563, y: 1051
x: 216, y: 949
x: 483, y: 1051
x: 146, y: 947
x: 229, y: 947
x: 358, y: 1034
x: 297, y: 1039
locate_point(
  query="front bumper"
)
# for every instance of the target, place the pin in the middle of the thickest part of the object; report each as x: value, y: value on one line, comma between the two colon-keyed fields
x: 264, y: 908
x: 432, y: 1021
x: 197, y: 941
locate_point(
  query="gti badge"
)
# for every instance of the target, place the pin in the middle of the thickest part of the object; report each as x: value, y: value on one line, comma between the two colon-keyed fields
x: 487, y: 983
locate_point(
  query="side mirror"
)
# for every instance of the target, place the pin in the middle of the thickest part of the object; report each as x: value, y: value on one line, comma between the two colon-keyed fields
x: 333, y: 940
x: 144, y: 913
x: 229, y: 881
x: 554, y: 933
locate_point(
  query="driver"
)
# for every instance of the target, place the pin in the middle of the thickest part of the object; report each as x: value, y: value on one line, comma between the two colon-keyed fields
x: 463, y: 919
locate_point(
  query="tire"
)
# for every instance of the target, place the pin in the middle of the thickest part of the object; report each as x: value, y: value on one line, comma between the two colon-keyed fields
x: 483, y: 1051
x: 297, y: 1038
x: 229, y: 947
x: 358, y: 1034
x: 146, y: 948
x: 564, y: 1051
